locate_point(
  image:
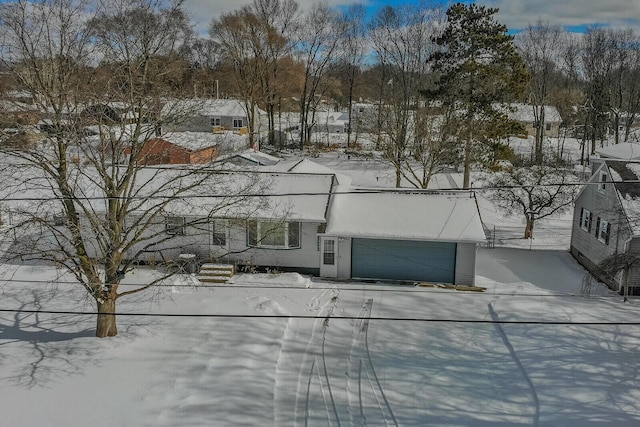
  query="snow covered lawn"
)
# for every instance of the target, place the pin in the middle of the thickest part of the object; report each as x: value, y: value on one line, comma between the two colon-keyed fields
x: 326, y: 353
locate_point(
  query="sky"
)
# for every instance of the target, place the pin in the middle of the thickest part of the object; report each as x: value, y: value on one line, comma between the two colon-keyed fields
x: 575, y: 15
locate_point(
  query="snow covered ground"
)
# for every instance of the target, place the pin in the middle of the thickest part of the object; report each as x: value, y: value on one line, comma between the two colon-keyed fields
x: 283, y: 349
x: 288, y: 350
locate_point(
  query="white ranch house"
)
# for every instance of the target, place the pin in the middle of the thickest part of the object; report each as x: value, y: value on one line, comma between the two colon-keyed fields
x: 309, y: 220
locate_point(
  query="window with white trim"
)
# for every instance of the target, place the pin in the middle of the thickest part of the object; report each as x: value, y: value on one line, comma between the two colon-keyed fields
x: 237, y: 123
x: 273, y: 234
x: 216, y: 121
x: 585, y: 220
x: 603, y: 230
x: 602, y: 182
x: 175, y: 225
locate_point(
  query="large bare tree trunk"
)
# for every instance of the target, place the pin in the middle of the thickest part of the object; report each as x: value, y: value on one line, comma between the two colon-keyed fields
x: 528, y: 229
x: 106, y: 325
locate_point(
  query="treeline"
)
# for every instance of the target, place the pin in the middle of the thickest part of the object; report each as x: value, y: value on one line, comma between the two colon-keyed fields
x: 273, y: 55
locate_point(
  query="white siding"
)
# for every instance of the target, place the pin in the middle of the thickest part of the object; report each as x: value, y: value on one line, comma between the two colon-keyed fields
x: 344, y: 258
x: 465, y: 263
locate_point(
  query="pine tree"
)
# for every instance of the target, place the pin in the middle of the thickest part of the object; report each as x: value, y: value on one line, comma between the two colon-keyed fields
x: 477, y: 67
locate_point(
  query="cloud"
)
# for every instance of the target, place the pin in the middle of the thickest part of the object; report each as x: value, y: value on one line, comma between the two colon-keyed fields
x: 517, y: 14
x: 202, y: 12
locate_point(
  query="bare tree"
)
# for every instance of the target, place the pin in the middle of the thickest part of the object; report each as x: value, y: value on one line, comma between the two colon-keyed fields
x: 254, y: 40
x: 541, y: 48
x: 316, y: 49
x: 597, y: 63
x: 278, y: 22
x: 536, y: 192
x: 235, y: 34
x: 92, y: 207
x: 431, y: 145
x: 625, y: 90
x: 353, y: 53
x: 402, y: 40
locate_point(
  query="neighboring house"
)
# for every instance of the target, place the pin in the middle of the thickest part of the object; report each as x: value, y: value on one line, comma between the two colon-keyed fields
x: 208, y: 115
x: 606, y: 219
x: 621, y: 151
x: 179, y: 149
x: 525, y: 115
x: 331, y: 122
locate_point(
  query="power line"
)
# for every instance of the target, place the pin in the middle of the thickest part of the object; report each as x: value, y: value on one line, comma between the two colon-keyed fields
x: 371, y: 287
x: 314, y: 317
x: 385, y: 190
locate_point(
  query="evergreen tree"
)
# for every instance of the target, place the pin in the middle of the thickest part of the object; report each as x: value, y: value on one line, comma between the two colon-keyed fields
x: 477, y: 68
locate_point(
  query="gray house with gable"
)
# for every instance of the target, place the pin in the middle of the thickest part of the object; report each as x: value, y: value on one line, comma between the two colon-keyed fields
x: 606, y: 221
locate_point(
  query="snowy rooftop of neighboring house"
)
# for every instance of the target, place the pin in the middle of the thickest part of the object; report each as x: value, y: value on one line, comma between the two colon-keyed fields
x: 451, y: 217
x: 207, y: 107
x: 626, y: 176
x: 330, y: 117
x: 258, y: 157
x: 194, y: 141
x: 309, y: 166
x: 525, y: 113
x: 622, y: 151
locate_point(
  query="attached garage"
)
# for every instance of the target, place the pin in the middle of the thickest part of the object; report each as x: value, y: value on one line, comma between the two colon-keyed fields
x: 403, y: 260
x: 403, y: 235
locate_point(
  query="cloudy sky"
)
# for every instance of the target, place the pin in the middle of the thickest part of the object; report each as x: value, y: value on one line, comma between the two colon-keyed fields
x: 574, y: 14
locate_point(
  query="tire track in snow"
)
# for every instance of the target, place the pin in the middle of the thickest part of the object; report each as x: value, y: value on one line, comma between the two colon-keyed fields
x: 313, y: 364
x: 516, y: 359
x: 361, y: 355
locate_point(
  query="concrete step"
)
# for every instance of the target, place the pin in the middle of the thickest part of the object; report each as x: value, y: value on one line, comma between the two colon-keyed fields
x: 216, y: 273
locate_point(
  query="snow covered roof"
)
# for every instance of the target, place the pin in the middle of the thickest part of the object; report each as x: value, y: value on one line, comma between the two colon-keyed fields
x: 451, y: 217
x: 258, y: 157
x: 262, y: 196
x: 626, y: 176
x: 193, y: 141
x: 209, y: 107
x: 294, y: 197
x: 623, y: 151
x: 524, y: 113
x: 308, y: 166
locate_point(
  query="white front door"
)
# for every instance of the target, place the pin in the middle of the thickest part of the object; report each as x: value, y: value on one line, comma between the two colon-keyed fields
x: 328, y: 257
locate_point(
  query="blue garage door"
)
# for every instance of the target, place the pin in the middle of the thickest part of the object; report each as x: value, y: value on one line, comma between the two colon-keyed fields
x: 403, y: 260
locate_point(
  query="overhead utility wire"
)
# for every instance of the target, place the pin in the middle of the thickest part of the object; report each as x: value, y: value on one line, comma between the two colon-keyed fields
x: 319, y: 193
x: 398, y: 288
x: 315, y: 317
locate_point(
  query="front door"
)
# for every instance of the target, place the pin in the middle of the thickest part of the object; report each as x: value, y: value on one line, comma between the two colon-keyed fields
x: 328, y: 256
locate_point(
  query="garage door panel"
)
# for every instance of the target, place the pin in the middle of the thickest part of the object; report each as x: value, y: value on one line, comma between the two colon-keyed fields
x: 403, y: 260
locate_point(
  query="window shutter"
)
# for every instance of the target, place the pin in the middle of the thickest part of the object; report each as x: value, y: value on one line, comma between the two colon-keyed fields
x: 598, y: 227
x: 606, y: 240
x: 581, y: 216
x: 589, y: 227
